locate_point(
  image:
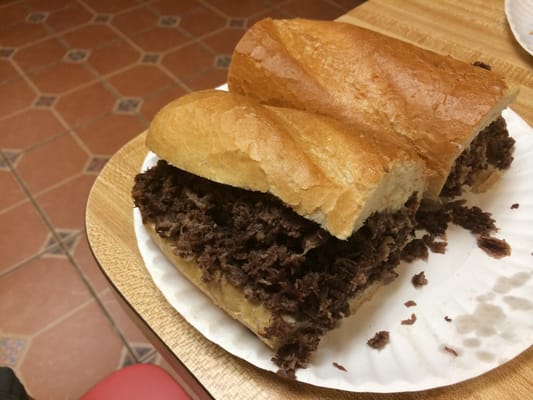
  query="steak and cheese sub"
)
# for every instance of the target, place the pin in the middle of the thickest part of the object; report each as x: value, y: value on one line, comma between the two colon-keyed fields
x: 286, y: 220
x: 447, y: 109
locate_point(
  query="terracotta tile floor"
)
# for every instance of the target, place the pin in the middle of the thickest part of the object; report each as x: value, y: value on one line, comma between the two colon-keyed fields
x: 78, y: 79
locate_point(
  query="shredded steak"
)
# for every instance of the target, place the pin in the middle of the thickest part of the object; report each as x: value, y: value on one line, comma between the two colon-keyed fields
x: 435, y: 220
x: 492, y: 147
x: 276, y: 257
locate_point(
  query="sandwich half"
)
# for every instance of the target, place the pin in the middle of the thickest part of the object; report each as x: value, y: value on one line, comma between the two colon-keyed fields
x: 448, y: 110
x: 286, y: 220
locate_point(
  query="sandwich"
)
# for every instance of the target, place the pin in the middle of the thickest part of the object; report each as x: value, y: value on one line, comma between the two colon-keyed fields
x: 285, y: 219
x: 448, y: 110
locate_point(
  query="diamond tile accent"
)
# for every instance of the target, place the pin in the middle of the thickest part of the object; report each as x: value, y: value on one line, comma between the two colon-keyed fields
x: 126, y: 359
x: 150, y: 58
x: 67, y: 237
x: 70, y: 241
x: 222, y: 61
x: 96, y: 164
x: 142, y: 351
x: 54, y: 250
x: 128, y: 105
x: 11, y: 156
x: 6, y: 52
x: 168, y: 21
x: 76, y: 55
x: 37, y: 17
x: 45, y: 101
x: 102, y: 18
x: 236, y: 22
x: 11, y: 350
x: 4, y: 166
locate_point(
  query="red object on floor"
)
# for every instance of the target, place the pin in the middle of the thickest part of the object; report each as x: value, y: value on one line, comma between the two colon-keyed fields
x: 137, y: 382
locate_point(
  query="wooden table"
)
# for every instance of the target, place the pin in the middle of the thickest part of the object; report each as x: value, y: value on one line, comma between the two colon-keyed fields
x: 469, y: 30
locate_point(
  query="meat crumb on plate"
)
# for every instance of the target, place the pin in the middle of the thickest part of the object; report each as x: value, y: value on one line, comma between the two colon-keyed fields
x: 451, y: 351
x: 338, y: 366
x: 494, y: 247
x: 410, y: 303
x: 409, y: 321
x: 380, y: 340
x: 447, y: 319
x: 419, y: 280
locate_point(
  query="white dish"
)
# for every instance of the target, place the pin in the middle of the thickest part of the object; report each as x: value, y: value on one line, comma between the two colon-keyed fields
x: 520, y: 17
x: 489, y: 301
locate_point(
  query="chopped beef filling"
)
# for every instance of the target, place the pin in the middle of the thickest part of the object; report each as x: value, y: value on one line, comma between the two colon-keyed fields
x: 435, y: 221
x: 434, y: 246
x: 415, y: 249
x: 493, y: 147
x: 472, y: 219
x: 276, y: 257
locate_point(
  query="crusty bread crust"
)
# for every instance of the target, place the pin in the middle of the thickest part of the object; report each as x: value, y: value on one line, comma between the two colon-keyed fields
x: 329, y: 172
x: 437, y: 103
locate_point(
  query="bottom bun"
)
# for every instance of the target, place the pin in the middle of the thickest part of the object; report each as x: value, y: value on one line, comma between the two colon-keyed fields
x: 255, y: 316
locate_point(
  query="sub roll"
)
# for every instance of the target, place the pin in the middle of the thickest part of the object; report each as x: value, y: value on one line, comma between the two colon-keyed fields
x: 448, y: 110
x: 286, y: 220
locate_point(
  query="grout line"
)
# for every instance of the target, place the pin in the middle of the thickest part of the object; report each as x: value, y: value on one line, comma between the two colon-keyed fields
x: 62, y: 317
x: 103, y: 79
x: 66, y: 251
x: 12, y: 206
x: 38, y: 254
x: 54, y: 186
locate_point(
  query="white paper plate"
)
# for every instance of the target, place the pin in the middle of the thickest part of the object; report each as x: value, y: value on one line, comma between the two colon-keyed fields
x: 489, y: 301
x: 520, y: 17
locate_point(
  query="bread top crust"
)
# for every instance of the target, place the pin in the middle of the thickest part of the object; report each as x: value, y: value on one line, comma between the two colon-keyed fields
x: 438, y: 104
x: 329, y: 172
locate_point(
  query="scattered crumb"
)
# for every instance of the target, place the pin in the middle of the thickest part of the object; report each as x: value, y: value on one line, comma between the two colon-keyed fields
x: 338, y: 366
x: 494, y: 247
x: 380, y: 340
x: 410, y: 303
x: 515, y: 206
x: 409, y: 321
x: 481, y: 64
x: 434, y: 246
x: 451, y: 351
x: 447, y: 319
x: 419, y: 280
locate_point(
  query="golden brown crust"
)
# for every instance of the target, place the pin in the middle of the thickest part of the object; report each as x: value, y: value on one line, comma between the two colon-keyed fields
x: 329, y: 172
x: 437, y: 103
